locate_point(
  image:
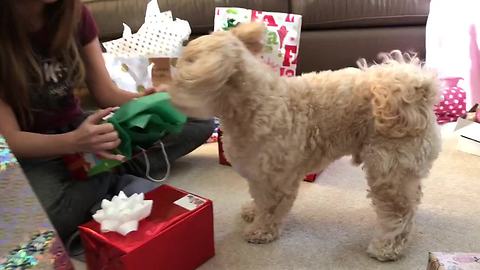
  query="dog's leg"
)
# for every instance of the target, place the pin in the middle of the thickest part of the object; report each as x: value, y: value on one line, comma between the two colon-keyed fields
x: 395, y: 196
x: 273, y: 199
x: 248, y: 211
x: 356, y: 159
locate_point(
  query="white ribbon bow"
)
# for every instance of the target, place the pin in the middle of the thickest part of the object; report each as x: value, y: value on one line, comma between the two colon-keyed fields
x: 123, y: 213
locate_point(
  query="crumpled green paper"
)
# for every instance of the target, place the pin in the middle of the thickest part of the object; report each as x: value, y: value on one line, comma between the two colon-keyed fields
x: 141, y: 123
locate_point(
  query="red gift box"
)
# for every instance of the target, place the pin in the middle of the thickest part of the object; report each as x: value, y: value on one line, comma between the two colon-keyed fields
x: 221, y: 155
x: 170, y: 238
x: 310, y: 177
x: 77, y: 166
x: 223, y: 161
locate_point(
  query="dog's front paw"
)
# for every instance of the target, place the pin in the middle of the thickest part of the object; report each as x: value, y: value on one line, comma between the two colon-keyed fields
x: 356, y: 159
x: 248, y: 211
x: 386, y: 249
x: 260, y: 235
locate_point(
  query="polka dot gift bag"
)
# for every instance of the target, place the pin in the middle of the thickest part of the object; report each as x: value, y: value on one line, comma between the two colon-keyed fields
x: 453, y: 101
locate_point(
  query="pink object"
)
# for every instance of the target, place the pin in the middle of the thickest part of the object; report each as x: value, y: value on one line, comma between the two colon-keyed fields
x: 452, y: 43
x: 453, y: 101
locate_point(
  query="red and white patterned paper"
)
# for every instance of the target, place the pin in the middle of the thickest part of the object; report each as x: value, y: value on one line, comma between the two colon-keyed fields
x: 453, y: 101
x: 282, y: 39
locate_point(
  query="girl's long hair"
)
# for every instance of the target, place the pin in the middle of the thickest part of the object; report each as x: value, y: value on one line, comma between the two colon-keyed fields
x: 19, y: 67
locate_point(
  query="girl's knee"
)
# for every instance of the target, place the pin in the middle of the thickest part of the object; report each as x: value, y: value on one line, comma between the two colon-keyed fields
x: 137, y: 185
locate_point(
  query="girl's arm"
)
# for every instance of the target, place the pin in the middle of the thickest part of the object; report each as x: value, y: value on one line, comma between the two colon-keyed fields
x: 89, y: 137
x: 104, y: 91
x: 31, y: 145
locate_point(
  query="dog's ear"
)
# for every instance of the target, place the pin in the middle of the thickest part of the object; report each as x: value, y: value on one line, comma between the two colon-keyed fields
x: 252, y: 35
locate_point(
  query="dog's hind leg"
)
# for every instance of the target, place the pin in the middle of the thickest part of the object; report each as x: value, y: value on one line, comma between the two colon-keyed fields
x: 273, y: 199
x: 395, y: 195
x: 248, y: 211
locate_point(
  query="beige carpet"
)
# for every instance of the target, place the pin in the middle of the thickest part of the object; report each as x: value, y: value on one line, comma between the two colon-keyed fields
x: 332, y: 220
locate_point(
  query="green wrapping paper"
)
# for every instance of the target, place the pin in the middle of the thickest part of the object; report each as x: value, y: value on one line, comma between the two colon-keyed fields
x: 140, y: 123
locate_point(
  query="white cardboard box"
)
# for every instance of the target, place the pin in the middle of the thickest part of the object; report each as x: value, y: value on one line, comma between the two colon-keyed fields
x: 468, y: 136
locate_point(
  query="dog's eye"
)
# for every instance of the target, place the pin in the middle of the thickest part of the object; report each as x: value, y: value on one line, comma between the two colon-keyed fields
x: 189, y: 60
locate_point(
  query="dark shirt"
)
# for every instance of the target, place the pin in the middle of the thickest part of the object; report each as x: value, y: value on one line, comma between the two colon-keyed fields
x: 53, y: 104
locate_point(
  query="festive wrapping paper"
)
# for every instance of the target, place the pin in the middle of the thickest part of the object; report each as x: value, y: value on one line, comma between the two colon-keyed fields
x: 178, y: 235
x: 282, y: 39
x: 7, y: 159
x: 27, y: 238
x: 453, y: 261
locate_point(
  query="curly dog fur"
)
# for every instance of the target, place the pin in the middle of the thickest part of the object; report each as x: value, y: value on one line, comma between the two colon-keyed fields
x: 277, y: 129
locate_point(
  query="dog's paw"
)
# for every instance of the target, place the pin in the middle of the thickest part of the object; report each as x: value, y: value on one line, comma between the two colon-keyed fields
x: 386, y: 249
x: 248, y: 211
x: 356, y: 159
x: 256, y: 235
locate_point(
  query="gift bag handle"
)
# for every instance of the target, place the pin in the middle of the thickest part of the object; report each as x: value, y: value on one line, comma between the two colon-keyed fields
x: 147, y: 164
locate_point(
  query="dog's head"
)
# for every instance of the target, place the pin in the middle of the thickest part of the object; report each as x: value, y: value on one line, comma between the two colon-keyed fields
x: 208, y: 66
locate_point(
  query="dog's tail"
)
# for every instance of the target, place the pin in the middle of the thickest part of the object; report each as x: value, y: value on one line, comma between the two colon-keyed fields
x: 403, y: 93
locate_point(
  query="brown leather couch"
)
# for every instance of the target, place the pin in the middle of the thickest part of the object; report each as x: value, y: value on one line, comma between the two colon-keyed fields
x: 335, y: 33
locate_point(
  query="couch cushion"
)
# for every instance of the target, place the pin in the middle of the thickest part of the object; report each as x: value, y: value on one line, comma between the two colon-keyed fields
x: 339, y: 48
x: 331, y: 14
x: 110, y: 14
x: 200, y: 13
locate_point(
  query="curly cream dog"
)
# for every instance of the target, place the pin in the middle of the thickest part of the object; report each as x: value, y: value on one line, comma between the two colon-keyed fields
x: 277, y: 129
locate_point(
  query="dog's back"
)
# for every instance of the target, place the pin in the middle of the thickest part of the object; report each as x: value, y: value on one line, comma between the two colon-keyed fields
x: 403, y: 94
x: 342, y: 110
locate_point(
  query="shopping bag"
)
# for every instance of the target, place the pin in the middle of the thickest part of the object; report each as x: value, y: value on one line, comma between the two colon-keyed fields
x: 140, y: 123
x: 282, y: 38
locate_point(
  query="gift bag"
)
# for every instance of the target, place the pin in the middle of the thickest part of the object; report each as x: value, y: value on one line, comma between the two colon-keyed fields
x: 280, y: 52
x: 282, y: 39
x: 453, y: 101
x: 139, y: 123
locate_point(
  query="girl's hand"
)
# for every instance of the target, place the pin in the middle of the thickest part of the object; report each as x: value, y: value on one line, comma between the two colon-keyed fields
x: 93, y: 137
